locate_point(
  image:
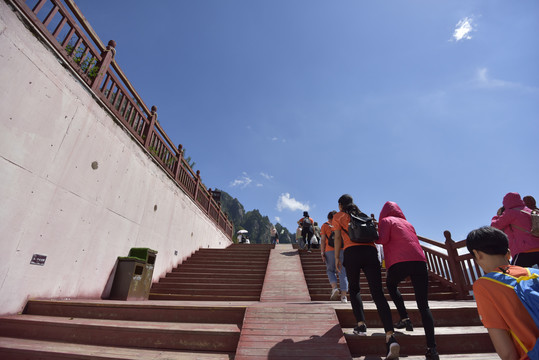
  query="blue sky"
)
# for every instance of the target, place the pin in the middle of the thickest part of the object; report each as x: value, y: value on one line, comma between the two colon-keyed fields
x: 287, y: 105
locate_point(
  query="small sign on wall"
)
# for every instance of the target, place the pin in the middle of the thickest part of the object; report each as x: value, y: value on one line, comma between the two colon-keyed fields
x: 38, y: 259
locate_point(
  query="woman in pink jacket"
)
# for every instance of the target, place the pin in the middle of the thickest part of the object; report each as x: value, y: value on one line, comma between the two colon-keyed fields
x: 514, y: 219
x: 404, y: 257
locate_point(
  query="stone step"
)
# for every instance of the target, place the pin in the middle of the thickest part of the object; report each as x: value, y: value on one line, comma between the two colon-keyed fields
x: 188, y: 273
x: 202, y: 269
x: 209, y: 291
x: 405, y: 288
x: 186, y: 297
x: 198, y: 286
x: 443, y: 316
x: 27, y: 349
x: 121, y: 333
x: 449, y: 340
x: 137, y: 311
x: 366, y: 296
x: 211, y: 278
x: 219, y: 260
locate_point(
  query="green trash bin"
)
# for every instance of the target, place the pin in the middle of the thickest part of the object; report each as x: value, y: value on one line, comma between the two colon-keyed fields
x: 133, y: 277
x: 149, y: 256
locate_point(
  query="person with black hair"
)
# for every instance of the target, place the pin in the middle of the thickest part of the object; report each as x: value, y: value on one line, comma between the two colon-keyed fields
x: 307, y: 229
x: 510, y: 326
x: 357, y: 257
x: 530, y: 203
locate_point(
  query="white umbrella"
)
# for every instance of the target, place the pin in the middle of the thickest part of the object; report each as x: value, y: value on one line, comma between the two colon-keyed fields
x: 242, y: 231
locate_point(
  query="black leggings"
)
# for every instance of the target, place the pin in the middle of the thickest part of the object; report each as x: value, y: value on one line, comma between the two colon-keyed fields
x: 526, y: 259
x: 417, y: 270
x: 307, y: 235
x: 357, y: 258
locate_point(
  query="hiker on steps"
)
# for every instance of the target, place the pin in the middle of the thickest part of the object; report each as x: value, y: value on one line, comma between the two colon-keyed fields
x: 514, y: 219
x: 328, y: 257
x: 511, y: 326
x: 307, y: 229
x: 404, y: 257
x: 357, y: 257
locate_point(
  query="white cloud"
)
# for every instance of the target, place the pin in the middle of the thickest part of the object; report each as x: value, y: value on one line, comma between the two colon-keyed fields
x: 259, y: 185
x: 463, y: 29
x: 243, y: 181
x: 266, y: 176
x: 278, y: 219
x: 483, y: 80
x: 286, y: 202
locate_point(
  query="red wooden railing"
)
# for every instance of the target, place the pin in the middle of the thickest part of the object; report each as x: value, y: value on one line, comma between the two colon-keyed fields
x: 458, y: 271
x: 66, y: 29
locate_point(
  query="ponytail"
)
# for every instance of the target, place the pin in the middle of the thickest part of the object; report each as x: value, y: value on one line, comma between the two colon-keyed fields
x: 348, y: 205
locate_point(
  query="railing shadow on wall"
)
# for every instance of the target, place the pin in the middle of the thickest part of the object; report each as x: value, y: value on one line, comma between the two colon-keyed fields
x: 66, y: 29
x: 446, y: 263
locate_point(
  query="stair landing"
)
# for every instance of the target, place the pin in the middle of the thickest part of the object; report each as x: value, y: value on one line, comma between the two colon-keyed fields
x: 285, y: 324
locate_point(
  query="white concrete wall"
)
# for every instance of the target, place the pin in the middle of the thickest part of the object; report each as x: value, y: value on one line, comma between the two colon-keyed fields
x: 54, y: 203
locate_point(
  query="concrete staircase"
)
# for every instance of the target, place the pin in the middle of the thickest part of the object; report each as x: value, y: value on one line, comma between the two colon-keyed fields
x: 232, y: 274
x: 206, y: 315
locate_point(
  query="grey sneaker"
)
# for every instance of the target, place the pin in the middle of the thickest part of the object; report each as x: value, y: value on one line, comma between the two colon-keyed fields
x: 334, y: 294
x: 393, y: 348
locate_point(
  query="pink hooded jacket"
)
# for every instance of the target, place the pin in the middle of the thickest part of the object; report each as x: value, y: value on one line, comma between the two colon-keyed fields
x: 398, y: 236
x: 511, y: 220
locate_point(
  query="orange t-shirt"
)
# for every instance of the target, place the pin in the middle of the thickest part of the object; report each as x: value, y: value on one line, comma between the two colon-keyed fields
x: 500, y: 308
x: 326, y: 229
x: 340, y: 222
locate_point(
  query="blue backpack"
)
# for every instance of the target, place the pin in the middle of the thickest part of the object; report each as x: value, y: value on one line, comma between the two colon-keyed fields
x: 527, y: 290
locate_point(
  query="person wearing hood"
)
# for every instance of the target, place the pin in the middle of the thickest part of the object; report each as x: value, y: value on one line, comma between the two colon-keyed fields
x: 404, y: 257
x: 514, y: 219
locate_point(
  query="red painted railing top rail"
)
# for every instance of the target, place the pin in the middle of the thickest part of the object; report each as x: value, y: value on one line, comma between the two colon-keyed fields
x: 66, y: 29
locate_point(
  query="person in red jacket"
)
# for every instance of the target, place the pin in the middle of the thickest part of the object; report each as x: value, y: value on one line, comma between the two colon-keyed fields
x: 404, y: 257
x: 514, y: 219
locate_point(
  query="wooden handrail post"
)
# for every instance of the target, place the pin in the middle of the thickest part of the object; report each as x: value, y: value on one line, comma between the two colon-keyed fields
x: 456, y: 272
x: 179, y: 157
x: 149, y: 130
x: 106, y: 59
x: 197, y: 184
x: 210, y: 198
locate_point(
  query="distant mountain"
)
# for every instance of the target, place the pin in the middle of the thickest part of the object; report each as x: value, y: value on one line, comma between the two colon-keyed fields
x: 258, y: 226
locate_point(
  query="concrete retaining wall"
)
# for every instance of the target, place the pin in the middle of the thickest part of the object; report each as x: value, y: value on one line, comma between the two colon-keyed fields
x: 74, y: 186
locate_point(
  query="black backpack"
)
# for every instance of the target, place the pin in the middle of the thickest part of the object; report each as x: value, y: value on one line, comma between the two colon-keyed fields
x: 306, y: 223
x: 331, y: 238
x: 362, y: 229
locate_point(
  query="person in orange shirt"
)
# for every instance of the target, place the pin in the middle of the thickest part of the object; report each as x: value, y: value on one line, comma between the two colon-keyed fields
x: 357, y: 257
x: 510, y: 327
x: 328, y: 257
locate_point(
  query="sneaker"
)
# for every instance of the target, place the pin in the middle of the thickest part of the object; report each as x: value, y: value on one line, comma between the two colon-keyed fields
x: 361, y: 330
x: 334, y: 294
x: 309, y: 250
x: 404, y: 323
x: 393, y: 348
x: 344, y: 300
x: 432, y: 354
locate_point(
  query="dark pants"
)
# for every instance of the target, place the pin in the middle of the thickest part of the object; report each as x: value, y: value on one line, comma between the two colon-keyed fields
x: 307, y: 234
x: 526, y: 259
x: 417, y: 270
x: 357, y: 258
